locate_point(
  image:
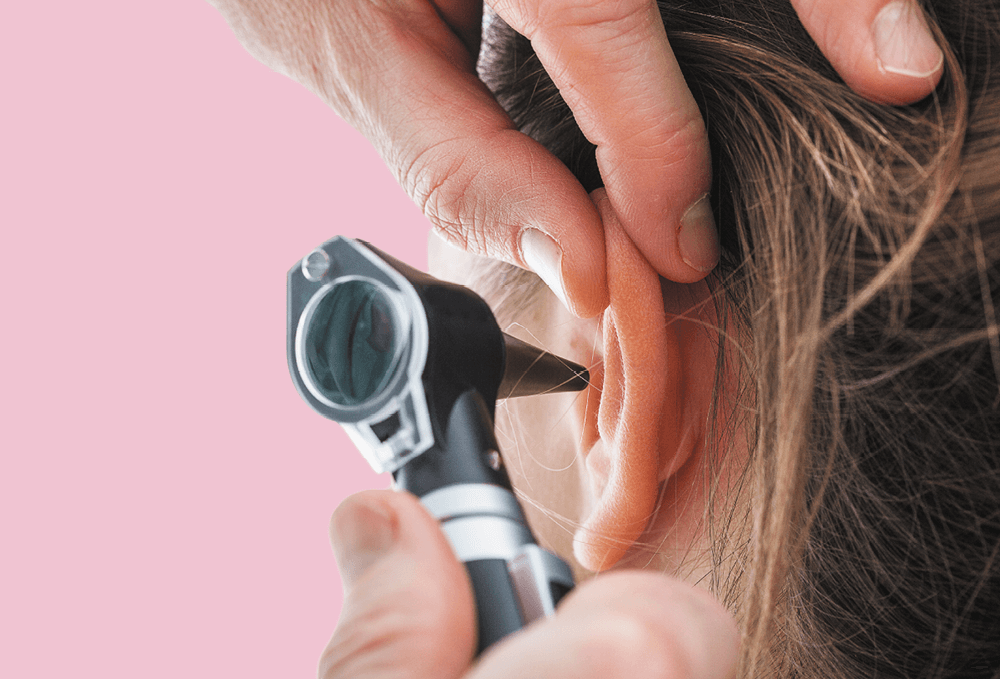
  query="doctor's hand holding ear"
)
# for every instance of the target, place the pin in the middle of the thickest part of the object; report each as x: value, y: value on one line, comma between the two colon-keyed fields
x: 408, y: 612
x: 403, y: 73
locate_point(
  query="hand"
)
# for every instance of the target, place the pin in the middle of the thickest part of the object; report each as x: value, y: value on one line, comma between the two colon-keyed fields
x: 408, y: 612
x: 403, y: 73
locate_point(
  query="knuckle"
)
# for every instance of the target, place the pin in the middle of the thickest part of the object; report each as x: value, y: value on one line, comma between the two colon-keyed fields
x: 677, y: 147
x: 435, y: 185
x: 445, y: 193
x: 683, y: 139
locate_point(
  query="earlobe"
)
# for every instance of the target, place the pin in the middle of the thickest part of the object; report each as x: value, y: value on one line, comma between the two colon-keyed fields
x: 651, y: 413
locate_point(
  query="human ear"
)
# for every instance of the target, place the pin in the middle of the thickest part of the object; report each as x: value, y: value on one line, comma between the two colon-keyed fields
x: 655, y: 390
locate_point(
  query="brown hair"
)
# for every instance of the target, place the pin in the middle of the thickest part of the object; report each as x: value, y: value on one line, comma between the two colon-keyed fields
x: 861, y: 259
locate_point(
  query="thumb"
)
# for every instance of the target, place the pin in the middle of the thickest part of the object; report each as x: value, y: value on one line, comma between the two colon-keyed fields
x: 884, y: 49
x: 408, y: 607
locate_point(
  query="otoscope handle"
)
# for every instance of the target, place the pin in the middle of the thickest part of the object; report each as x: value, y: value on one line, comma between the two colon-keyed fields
x: 463, y: 483
x: 514, y: 581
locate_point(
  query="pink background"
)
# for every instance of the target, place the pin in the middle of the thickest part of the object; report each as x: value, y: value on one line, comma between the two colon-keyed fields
x: 164, y: 492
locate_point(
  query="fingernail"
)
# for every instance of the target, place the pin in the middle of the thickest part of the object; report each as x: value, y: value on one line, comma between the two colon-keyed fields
x: 698, y: 239
x: 540, y: 252
x: 903, y: 42
x: 363, y: 532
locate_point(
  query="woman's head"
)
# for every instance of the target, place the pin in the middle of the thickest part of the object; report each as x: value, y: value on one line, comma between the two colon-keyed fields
x: 826, y: 451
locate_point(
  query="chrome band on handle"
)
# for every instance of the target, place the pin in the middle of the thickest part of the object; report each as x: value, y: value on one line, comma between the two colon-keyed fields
x: 485, y: 522
x: 472, y: 499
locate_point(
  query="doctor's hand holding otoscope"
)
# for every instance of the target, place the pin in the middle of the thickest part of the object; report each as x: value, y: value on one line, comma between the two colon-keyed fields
x: 412, y: 368
x: 408, y: 612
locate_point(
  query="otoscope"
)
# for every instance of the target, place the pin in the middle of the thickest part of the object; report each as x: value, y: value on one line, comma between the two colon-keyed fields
x: 412, y: 367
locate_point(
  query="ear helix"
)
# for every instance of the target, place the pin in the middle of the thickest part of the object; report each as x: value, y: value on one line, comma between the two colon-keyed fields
x: 638, y: 386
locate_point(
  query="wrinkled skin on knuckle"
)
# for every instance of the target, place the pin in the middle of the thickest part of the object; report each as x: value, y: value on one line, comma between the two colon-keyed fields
x: 683, y: 151
x: 441, y: 198
x: 443, y: 187
x: 678, y: 142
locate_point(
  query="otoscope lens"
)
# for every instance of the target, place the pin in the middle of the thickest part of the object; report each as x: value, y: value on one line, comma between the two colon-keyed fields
x: 351, y: 344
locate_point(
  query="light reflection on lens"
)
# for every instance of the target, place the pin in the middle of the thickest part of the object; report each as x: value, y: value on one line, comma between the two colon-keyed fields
x: 351, y: 343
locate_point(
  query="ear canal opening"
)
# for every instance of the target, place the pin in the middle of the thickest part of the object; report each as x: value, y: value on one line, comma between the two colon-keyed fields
x: 529, y: 370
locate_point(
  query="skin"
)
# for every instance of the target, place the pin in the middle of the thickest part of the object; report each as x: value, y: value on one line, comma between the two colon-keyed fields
x: 404, y: 74
x: 407, y: 603
x: 562, y: 450
x: 407, y: 598
x: 408, y: 613
x: 542, y: 437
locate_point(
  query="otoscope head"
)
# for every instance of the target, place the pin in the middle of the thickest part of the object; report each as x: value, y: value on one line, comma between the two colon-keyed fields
x: 385, y: 350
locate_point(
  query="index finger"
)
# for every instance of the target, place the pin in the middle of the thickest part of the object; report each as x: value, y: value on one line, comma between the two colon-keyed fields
x: 614, y: 67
